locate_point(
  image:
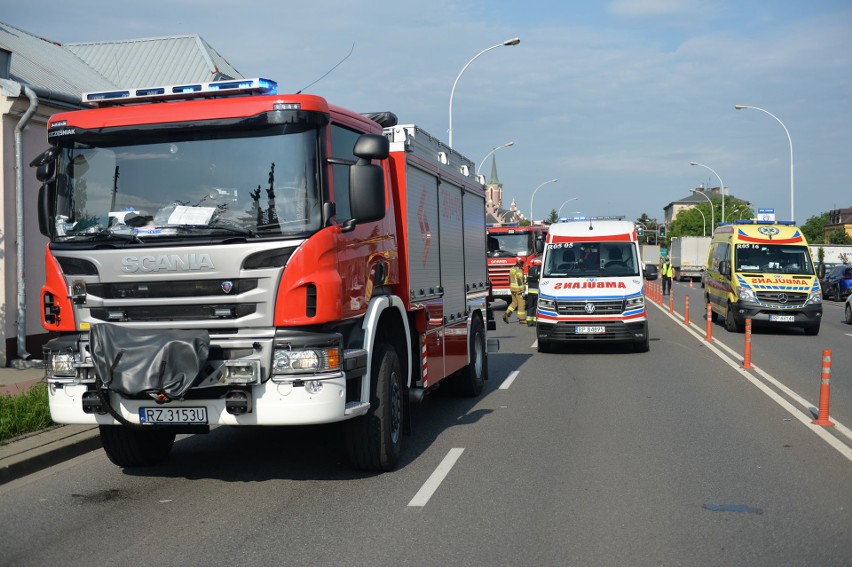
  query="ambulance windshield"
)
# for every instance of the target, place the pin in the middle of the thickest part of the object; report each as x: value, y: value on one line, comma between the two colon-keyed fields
x: 774, y: 259
x: 189, y: 184
x: 590, y: 259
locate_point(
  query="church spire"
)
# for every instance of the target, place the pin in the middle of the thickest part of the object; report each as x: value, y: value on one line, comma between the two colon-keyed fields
x: 494, y: 180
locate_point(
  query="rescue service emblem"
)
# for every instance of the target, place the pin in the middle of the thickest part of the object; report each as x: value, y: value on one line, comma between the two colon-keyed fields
x: 769, y: 231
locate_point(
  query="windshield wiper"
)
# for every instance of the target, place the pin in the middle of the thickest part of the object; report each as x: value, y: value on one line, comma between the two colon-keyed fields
x: 216, y: 226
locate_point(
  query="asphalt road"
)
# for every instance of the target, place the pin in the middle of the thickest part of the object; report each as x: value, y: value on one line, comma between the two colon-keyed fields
x: 591, y: 456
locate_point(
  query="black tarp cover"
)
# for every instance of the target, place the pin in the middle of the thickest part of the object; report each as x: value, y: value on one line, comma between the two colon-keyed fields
x: 139, y: 361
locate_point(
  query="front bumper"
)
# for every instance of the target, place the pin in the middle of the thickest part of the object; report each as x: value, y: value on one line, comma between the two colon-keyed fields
x: 614, y: 331
x: 805, y: 316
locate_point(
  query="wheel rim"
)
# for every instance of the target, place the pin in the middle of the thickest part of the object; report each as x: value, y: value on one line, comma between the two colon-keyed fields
x: 478, y: 355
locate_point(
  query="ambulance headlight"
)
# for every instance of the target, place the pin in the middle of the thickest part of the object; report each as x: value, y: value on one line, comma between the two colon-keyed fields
x: 815, y: 297
x: 305, y: 361
x: 548, y: 304
x: 747, y: 295
x: 634, y: 303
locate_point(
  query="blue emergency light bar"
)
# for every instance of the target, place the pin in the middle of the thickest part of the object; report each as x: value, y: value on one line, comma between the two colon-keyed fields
x: 752, y: 221
x: 183, y: 91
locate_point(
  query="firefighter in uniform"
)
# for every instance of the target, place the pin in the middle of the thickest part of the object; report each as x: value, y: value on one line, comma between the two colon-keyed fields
x: 517, y: 281
x: 532, y: 290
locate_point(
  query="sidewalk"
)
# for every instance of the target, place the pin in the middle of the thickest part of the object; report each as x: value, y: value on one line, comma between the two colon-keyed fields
x: 34, y: 452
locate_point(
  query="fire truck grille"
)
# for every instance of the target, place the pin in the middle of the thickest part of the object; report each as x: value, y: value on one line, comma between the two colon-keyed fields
x: 206, y: 312
x: 781, y: 298
x: 499, y: 275
x: 608, y: 307
x: 165, y: 290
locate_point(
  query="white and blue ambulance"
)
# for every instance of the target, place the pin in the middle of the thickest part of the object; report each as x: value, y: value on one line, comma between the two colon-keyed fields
x: 591, y: 287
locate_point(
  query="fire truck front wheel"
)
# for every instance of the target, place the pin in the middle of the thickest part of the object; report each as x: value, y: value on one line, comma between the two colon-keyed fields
x: 374, y: 441
x: 127, y: 447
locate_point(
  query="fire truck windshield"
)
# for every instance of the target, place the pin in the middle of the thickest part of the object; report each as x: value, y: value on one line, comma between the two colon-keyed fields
x: 506, y: 245
x: 189, y: 184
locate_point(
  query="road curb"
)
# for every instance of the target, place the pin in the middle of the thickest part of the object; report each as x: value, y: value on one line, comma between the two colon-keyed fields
x: 33, y: 453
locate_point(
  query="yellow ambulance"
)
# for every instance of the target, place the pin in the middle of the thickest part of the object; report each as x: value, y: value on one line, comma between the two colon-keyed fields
x: 762, y: 271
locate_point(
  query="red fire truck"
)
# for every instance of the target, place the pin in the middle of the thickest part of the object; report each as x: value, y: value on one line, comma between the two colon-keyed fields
x: 507, y: 242
x: 220, y: 254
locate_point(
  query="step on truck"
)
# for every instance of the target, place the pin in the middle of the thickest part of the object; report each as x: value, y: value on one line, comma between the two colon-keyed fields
x: 591, y: 288
x: 220, y: 254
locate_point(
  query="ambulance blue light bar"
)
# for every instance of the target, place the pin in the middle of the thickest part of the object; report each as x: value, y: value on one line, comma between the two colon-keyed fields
x: 182, y: 91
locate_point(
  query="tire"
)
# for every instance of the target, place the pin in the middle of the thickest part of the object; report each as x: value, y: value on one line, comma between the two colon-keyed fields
x: 643, y: 346
x: 129, y: 447
x: 836, y: 295
x: 731, y: 324
x: 374, y: 441
x: 848, y: 314
x: 544, y: 346
x: 471, y: 379
x: 812, y: 331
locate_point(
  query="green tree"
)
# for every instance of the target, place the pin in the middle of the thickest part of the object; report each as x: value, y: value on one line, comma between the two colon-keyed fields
x: 839, y: 236
x: 553, y: 217
x: 814, y: 228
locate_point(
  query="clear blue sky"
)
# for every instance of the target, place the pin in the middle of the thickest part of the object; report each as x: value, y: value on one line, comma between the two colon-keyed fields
x: 614, y: 99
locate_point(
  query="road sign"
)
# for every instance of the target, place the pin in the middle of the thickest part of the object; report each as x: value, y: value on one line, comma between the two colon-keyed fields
x: 766, y: 215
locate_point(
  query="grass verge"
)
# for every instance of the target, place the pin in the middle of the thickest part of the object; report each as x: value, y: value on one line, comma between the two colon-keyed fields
x: 24, y: 413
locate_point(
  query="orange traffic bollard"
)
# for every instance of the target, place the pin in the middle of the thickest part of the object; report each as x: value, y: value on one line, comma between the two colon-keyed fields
x: 671, y: 302
x: 747, y: 355
x: 690, y: 284
x: 824, y: 391
x: 709, y: 318
x: 686, y: 310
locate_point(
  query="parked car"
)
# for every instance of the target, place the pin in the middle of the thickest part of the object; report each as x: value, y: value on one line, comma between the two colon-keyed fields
x: 849, y: 310
x: 651, y: 271
x: 837, y: 283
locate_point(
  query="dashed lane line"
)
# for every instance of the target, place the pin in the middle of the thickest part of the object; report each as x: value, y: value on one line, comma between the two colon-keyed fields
x: 434, y: 481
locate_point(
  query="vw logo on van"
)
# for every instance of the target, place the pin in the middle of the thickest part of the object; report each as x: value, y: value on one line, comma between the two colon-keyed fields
x: 769, y: 231
x: 590, y: 308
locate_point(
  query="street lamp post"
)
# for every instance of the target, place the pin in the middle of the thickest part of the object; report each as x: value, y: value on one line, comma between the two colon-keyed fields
x: 712, y: 216
x: 513, y: 41
x: 559, y: 213
x: 790, y: 140
x: 735, y: 210
x: 721, y: 184
x: 506, y: 145
x: 533, y: 196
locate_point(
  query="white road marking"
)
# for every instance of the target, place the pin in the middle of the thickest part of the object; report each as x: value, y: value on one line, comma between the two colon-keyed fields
x: 805, y: 418
x: 434, y: 481
x: 508, y: 381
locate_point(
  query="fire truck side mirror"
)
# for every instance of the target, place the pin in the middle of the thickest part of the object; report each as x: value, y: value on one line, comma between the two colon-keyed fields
x: 539, y: 244
x: 45, y: 165
x: 367, y: 180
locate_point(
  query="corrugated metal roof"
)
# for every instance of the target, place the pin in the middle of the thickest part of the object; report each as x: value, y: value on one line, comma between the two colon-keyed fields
x: 48, y: 65
x: 155, y: 61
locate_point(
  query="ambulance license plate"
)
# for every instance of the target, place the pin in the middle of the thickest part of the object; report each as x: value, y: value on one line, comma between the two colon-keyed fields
x: 782, y: 318
x: 580, y: 330
x: 172, y: 416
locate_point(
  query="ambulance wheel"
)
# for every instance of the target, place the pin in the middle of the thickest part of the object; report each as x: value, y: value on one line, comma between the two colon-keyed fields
x: 374, y: 441
x: 544, y: 346
x: 643, y: 345
x: 471, y: 379
x: 731, y: 324
x: 129, y: 447
x: 812, y: 330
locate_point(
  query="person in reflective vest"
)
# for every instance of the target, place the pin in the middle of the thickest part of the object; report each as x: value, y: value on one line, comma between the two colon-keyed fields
x: 533, y: 275
x: 666, y: 272
x: 517, y: 281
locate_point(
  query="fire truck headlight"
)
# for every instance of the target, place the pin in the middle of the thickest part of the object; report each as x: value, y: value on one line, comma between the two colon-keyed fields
x: 548, y: 304
x: 60, y: 364
x: 305, y: 361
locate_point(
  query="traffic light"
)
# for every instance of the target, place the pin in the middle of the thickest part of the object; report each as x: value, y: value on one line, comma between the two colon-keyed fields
x: 640, y: 231
x: 662, y: 231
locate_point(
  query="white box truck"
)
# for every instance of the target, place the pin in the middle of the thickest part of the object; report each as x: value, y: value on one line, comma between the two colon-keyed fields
x: 689, y: 256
